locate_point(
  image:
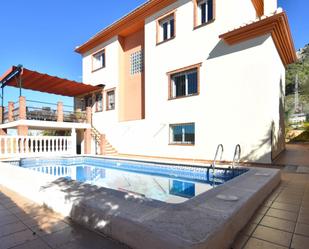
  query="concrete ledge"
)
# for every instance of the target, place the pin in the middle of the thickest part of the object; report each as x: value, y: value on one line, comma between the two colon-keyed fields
x: 203, y: 222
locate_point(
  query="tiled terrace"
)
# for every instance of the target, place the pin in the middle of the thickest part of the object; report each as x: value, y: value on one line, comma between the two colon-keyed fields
x: 25, y: 225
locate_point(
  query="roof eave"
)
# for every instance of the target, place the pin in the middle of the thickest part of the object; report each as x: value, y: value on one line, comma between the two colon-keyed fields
x: 276, y: 25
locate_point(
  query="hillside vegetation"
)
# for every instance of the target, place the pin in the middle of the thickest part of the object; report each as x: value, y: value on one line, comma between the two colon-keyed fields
x: 300, y: 68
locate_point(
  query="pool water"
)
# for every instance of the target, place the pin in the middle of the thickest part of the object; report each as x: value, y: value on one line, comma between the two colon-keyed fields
x: 164, y: 182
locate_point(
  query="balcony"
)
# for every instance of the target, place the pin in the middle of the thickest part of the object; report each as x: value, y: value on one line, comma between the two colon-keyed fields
x: 41, y: 111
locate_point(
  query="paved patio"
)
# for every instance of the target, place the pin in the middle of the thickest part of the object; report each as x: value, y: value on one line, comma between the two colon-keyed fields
x: 283, y: 220
x: 25, y: 225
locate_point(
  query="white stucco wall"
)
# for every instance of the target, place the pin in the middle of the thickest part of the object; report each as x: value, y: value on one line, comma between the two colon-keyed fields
x: 239, y: 89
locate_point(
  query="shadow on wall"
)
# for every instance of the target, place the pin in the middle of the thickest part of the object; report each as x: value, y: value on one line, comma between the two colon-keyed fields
x: 278, y: 133
x: 254, y: 155
x: 222, y: 48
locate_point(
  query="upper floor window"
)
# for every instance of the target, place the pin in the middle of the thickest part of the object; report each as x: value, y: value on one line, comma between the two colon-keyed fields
x: 99, y: 104
x: 204, y: 12
x: 136, y: 62
x: 182, y: 134
x: 166, y: 28
x: 184, y: 83
x: 110, y: 100
x: 98, y: 60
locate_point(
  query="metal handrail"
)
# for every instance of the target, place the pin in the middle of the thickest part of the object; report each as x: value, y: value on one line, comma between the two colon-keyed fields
x: 237, y: 155
x: 217, y: 152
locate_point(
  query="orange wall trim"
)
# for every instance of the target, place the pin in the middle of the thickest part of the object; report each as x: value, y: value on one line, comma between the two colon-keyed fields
x: 276, y: 25
x: 129, y: 24
x: 131, y: 89
x: 259, y: 7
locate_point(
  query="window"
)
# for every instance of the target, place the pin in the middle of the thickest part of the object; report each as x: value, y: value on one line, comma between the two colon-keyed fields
x: 205, y: 12
x: 184, y: 83
x: 166, y: 28
x: 136, y: 62
x: 99, y: 105
x: 110, y: 99
x: 182, y: 134
x: 88, y: 101
x: 98, y: 60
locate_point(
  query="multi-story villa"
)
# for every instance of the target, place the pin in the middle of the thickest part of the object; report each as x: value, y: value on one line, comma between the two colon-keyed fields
x: 183, y: 76
x: 174, y: 79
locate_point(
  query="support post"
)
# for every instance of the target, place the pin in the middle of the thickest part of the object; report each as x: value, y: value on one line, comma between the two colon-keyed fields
x: 1, y: 114
x: 87, y: 141
x: 22, y: 108
x: 89, y: 115
x: 60, y: 112
x: 73, y: 137
x: 10, y: 111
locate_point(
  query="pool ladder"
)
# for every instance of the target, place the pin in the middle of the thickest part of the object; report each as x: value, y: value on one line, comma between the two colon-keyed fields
x: 237, y: 154
x: 220, y: 146
x: 236, y: 158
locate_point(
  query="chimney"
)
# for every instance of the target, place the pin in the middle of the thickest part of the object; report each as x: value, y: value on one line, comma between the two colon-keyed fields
x: 270, y: 6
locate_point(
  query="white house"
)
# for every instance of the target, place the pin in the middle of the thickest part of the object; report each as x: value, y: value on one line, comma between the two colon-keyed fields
x: 183, y: 76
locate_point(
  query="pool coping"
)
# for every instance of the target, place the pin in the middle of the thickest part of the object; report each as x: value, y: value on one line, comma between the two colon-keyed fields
x: 144, y: 223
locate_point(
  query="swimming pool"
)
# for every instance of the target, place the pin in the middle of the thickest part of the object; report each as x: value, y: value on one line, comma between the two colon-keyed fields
x: 169, y: 183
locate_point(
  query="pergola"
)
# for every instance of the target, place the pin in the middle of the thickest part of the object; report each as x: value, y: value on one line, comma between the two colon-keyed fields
x: 23, y: 78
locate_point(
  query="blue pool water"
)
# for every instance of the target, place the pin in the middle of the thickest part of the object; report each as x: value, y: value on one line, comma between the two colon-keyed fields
x: 165, y: 182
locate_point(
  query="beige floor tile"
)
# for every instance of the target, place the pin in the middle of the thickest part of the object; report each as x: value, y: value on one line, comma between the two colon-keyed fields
x: 249, y: 229
x: 303, y: 218
x: 263, y: 210
x: 277, y: 223
x: 17, y: 238
x: 286, y: 207
x: 12, y: 228
x: 300, y: 242
x: 302, y: 229
x: 34, y: 244
x: 256, y: 218
x: 273, y: 235
x: 286, y: 215
x: 261, y: 244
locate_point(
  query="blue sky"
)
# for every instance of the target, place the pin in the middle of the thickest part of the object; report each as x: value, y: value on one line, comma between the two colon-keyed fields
x: 42, y: 35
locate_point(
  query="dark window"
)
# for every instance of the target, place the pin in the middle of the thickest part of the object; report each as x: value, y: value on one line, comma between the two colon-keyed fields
x: 98, y: 60
x: 205, y: 11
x: 184, y: 83
x: 99, y: 102
x: 167, y: 26
x: 110, y: 100
x: 182, y: 133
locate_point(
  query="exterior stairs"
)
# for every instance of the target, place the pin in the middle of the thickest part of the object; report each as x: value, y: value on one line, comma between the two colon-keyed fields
x: 109, y: 149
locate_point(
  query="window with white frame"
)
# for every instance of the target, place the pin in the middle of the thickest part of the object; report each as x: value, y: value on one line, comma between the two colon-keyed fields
x: 98, y: 60
x: 136, y: 62
x: 204, y: 11
x: 184, y: 83
x: 167, y: 28
x: 110, y: 100
x: 182, y: 133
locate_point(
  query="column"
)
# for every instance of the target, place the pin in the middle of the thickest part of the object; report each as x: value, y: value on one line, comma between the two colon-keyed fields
x: 59, y: 112
x: 10, y: 111
x: 73, y: 137
x: 22, y: 130
x: 87, y: 141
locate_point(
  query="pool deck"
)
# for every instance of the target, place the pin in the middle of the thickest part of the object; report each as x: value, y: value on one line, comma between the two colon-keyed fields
x: 281, y: 222
x: 26, y: 225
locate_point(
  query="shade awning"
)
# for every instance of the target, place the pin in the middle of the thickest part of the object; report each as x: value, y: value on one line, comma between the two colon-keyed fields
x: 36, y: 81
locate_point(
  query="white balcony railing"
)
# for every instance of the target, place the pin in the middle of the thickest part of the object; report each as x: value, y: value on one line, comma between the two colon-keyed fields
x: 25, y: 146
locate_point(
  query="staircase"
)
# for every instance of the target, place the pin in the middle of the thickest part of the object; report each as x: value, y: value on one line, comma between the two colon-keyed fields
x: 109, y: 149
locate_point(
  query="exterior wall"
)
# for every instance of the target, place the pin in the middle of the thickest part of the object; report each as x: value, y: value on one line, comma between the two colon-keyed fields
x: 131, y: 88
x: 239, y: 90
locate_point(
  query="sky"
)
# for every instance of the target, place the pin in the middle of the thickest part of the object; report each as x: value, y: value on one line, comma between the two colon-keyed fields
x: 42, y: 35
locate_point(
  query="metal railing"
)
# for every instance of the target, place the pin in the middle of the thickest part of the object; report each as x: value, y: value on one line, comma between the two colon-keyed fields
x: 237, y: 155
x: 43, y: 113
x: 74, y: 117
x: 220, y: 146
